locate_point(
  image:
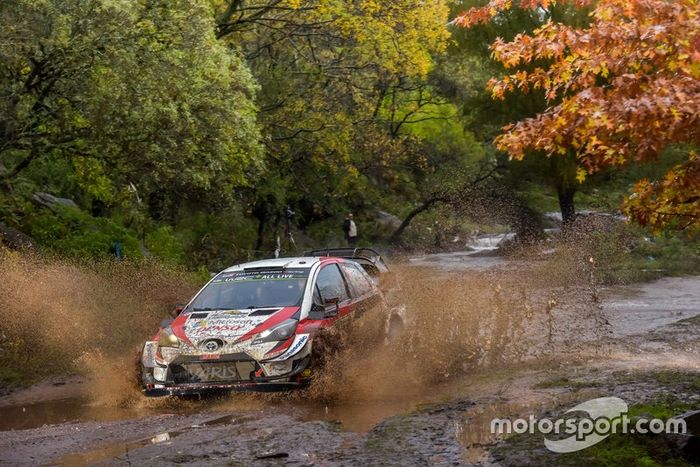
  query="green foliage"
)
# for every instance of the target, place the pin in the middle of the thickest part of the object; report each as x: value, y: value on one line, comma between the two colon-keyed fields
x: 137, y: 96
x: 163, y: 244
x: 217, y: 240
x: 188, y: 127
x: 72, y: 232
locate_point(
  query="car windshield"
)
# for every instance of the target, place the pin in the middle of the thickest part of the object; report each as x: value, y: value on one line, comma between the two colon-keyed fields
x: 257, y: 288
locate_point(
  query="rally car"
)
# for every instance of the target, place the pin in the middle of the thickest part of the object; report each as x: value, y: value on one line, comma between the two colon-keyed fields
x: 254, y: 326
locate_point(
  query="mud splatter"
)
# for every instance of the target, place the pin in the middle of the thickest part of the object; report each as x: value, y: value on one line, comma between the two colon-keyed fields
x: 91, y: 318
x: 59, y: 317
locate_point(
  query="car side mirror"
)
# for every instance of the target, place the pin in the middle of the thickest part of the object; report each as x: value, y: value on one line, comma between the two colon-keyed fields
x: 332, y: 306
x: 175, y: 312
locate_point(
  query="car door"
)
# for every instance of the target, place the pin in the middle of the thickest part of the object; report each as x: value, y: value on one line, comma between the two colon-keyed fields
x: 369, y: 321
x: 364, y: 291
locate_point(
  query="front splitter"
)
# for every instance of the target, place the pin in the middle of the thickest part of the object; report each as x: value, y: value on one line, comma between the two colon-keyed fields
x: 201, y: 389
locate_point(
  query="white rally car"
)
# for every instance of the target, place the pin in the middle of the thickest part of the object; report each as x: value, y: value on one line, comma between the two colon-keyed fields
x: 254, y: 326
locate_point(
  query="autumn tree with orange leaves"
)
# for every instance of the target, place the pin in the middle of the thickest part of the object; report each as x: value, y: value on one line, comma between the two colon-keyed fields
x: 620, y: 90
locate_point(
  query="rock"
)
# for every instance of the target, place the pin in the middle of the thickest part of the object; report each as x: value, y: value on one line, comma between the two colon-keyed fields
x: 692, y: 421
x: 272, y: 455
x: 51, y: 201
x: 13, y: 238
x: 686, y: 444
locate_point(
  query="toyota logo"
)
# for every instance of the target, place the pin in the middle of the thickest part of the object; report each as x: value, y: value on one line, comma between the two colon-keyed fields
x: 212, y: 345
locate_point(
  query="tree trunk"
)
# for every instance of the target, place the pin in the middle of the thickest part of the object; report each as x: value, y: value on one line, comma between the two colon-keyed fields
x: 396, y: 236
x: 566, y: 205
x: 260, y: 212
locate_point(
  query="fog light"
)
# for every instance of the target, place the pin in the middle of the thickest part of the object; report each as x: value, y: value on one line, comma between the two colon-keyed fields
x: 160, y: 373
x: 281, y: 366
x: 306, y: 373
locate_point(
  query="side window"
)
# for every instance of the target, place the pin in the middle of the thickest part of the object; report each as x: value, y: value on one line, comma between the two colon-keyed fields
x: 358, y: 278
x: 331, y: 284
x: 317, y: 295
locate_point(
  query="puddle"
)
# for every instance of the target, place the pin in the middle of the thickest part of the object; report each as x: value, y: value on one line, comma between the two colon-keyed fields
x: 630, y: 310
x: 33, y: 415
x: 458, y: 261
x: 116, y: 451
x: 121, y: 450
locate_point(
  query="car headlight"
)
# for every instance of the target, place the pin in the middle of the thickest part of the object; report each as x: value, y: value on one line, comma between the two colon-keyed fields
x: 281, y: 332
x: 166, y: 338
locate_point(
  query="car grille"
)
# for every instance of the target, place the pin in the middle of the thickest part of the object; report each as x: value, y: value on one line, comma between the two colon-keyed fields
x: 213, y: 372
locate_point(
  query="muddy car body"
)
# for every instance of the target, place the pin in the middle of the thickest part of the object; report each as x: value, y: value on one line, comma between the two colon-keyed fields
x: 254, y: 326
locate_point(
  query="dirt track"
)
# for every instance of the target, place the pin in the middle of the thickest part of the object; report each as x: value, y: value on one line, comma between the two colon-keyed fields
x: 444, y: 423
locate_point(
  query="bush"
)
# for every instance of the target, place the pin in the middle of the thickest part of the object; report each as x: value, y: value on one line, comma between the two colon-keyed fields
x: 163, y: 244
x: 72, y: 232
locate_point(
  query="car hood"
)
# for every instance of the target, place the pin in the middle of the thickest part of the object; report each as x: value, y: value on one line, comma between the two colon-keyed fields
x: 229, y: 325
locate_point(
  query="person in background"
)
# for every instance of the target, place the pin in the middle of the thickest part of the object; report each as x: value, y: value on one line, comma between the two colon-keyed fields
x: 350, y: 229
x: 117, y: 250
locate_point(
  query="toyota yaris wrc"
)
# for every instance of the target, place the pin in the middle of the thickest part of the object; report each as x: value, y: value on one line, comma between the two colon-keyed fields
x: 254, y: 326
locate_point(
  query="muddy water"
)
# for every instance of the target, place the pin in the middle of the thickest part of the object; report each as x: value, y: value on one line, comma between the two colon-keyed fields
x: 32, y: 415
x: 640, y: 308
x: 354, y: 415
x: 386, y: 392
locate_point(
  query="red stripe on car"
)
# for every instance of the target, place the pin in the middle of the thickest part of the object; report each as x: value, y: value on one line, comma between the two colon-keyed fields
x: 178, y: 328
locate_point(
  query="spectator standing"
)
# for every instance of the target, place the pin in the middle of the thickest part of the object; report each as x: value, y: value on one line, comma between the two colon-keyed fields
x: 350, y: 229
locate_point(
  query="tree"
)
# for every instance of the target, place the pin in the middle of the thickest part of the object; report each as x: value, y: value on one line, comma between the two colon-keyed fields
x: 134, y: 95
x: 329, y: 71
x: 465, y: 72
x: 621, y: 89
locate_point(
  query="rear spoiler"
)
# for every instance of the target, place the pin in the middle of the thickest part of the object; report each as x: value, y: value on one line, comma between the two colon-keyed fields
x: 368, y: 257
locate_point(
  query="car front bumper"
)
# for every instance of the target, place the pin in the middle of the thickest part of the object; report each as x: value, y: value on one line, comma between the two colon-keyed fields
x: 180, y: 384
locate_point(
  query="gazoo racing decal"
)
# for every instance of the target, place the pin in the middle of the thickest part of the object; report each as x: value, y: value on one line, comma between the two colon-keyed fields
x: 299, y: 342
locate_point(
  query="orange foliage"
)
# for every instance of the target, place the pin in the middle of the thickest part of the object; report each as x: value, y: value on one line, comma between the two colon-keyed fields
x: 621, y: 90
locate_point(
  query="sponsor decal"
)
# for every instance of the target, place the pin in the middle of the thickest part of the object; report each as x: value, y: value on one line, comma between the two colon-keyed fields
x: 213, y: 356
x: 261, y: 275
x: 149, y: 354
x: 232, y: 313
x: 235, y: 371
x: 296, y: 347
x: 224, y: 323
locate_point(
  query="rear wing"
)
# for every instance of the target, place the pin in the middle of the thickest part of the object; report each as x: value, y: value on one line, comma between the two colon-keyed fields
x: 368, y: 258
